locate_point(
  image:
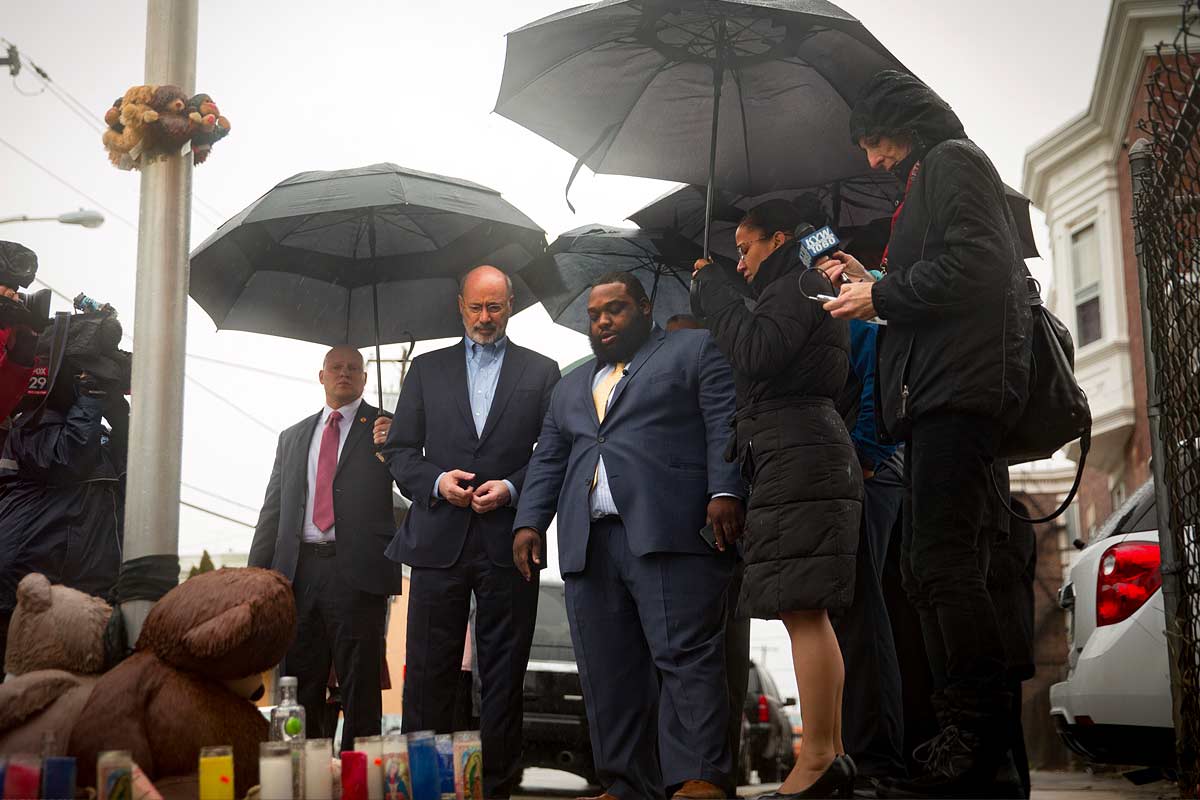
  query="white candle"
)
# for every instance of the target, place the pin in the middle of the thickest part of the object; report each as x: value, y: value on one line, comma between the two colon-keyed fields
x: 275, y: 771
x: 373, y: 747
x: 318, y: 772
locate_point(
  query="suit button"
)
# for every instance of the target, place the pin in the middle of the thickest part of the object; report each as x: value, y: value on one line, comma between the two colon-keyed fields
x: 601, y: 440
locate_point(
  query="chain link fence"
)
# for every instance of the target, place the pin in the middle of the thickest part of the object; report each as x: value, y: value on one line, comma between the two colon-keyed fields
x: 1166, y: 172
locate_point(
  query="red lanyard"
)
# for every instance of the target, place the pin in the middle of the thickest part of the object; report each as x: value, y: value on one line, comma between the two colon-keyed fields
x: 912, y: 173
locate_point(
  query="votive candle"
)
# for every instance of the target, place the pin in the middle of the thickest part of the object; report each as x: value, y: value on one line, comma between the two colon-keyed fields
x: 354, y: 775
x: 23, y: 777
x: 318, y: 772
x: 275, y: 771
x: 114, y: 775
x: 58, y: 778
x: 216, y: 773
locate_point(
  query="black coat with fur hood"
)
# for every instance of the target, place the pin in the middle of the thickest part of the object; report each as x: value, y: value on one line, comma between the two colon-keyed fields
x: 954, y: 295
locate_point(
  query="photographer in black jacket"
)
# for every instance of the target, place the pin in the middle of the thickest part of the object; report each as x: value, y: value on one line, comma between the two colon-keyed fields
x: 952, y: 375
x: 62, y: 478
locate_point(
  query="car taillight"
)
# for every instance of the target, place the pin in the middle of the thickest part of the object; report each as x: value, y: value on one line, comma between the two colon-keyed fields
x: 764, y: 710
x: 1129, y: 573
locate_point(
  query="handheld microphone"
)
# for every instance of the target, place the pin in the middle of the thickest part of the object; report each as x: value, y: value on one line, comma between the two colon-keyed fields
x: 815, y: 243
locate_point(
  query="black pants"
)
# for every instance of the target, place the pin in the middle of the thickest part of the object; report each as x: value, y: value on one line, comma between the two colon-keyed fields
x: 948, y: 494
x: 439, y: 603
x: 337, y: 624
x: 872, y: 705
x: 737, y: 665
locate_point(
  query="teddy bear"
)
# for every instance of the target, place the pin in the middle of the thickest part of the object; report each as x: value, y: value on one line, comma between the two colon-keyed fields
x: 124, y: 139
x: 192, y: 678
x: 209, y: 127
x: 55, y: 656
x: 173, y: 127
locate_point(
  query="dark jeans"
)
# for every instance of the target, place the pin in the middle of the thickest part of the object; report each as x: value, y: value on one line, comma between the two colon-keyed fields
x: 439, y: 604
x: 336, y: 624
x: 872, y: 705
x: 948, y: 495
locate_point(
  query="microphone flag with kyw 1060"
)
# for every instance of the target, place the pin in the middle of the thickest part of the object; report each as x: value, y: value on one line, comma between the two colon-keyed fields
x: 815, y: 244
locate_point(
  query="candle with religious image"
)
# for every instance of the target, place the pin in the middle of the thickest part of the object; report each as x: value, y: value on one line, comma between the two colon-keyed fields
x: 114, y: 776
x: 395, y: 767
x: 468, y: 766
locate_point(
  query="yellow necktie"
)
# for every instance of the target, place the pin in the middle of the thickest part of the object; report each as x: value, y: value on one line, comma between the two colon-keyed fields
x: 600, y: 395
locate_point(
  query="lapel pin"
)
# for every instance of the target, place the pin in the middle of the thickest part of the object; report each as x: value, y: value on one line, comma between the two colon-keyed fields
x: 362, y: 419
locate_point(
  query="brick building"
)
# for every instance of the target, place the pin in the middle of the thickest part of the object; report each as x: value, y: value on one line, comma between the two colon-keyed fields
x: 1079, y: 177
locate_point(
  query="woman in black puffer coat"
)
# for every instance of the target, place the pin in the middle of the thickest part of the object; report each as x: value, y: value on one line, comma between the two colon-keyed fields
x: 791, y: 362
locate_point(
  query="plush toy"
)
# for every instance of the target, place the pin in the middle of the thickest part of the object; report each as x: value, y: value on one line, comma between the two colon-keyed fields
x: 125, y: 136
x: 148, y: 122
x: 173, y: 128
x: 191, y: 680
x: 55, y: 655
x: 211, y: 127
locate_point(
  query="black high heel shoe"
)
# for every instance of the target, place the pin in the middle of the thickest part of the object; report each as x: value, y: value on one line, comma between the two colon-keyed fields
x: 836, y: 781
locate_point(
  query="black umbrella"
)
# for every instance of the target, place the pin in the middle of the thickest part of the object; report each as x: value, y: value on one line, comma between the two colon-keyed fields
x: 661, y: 260
x: 861, y: 205
x: 317, y: 257
x: 748, y: 95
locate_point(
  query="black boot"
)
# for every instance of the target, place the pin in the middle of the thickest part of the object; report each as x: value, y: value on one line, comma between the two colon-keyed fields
x: 964, y: 758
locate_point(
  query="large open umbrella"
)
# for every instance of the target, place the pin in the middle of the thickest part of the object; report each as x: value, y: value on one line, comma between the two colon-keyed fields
x: 748, y: 95
x: 850, y: 205
x: 661, y: 260
x: 319, y: 256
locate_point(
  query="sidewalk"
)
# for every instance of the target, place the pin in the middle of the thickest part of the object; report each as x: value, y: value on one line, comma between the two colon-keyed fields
x: 1080, y: 785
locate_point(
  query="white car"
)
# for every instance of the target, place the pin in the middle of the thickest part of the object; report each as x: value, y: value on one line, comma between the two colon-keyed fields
x: 1115, y: 705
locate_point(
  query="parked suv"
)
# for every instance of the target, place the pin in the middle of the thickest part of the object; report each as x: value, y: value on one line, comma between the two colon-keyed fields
x: 1115, y: 705
x: 770, y: 731
x: 555, y: 727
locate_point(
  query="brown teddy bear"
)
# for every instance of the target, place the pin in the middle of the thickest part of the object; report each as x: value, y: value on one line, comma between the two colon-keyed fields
x: 124, y: 139
x: 55, y: 655
x: 190, y: 682
x: 173, y: 127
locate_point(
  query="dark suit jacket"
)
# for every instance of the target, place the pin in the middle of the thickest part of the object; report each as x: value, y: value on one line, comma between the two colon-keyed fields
x: 433, y: 432
x: 663, y: 440
x: 362, y: 506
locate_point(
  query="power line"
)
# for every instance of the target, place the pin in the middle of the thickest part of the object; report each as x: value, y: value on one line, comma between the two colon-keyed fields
x: 233, y: 405
x: 216, y: 514
x: 249, y: 368
x: 220, y: 497
x: 67, y: 183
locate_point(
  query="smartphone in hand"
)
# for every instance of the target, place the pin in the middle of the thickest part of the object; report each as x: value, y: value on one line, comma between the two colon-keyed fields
x: 709, y: 536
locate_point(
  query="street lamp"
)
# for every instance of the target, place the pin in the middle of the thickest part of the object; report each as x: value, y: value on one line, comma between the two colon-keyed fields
x: 84, y: 216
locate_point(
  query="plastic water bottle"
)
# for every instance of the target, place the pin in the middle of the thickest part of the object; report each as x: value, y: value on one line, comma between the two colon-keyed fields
x: 287, y: 718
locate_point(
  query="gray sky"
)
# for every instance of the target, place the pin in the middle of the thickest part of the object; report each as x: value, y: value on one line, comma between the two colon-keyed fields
x: 320, y: 85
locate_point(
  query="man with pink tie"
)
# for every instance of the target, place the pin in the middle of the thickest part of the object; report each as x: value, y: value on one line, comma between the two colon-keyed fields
x: 325, y: 522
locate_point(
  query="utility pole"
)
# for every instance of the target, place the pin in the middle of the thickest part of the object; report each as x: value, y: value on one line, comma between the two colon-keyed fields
x: 164, y: 229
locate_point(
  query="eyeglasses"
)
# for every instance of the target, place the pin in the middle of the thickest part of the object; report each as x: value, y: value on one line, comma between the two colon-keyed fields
x: 745, y: 248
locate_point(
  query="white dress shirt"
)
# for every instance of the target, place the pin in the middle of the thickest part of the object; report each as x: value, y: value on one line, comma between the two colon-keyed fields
x: 312, y: 533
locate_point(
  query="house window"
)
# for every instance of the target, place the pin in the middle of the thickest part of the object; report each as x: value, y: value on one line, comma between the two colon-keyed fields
x: 1085, y: 265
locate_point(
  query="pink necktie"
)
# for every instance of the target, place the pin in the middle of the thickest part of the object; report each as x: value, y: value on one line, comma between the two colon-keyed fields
x: 326, y: 466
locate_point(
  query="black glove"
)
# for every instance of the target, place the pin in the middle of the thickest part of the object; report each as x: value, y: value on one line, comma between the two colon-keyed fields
x: 22, y: 346
x: 89, y: 386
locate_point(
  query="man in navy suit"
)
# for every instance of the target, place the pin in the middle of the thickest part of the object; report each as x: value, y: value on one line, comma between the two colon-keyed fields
x: 324, y: 524
x: 631, y: 458
x: 465, y: 426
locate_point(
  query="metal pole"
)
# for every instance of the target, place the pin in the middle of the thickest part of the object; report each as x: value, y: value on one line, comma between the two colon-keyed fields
x: 24, y: 218
x: 718, y: 79
x: 164, y: 228
x: 1141, y: 164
